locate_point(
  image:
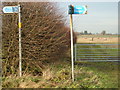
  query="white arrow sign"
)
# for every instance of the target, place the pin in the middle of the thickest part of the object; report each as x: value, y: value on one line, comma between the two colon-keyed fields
x: 11, y: 9
x: 80, y: 9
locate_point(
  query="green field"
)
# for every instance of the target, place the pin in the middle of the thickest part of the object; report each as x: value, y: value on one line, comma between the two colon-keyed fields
x: 96, y: 52
x: 106, y: 72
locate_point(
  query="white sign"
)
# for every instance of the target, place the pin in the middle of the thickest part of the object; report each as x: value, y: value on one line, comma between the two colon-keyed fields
x: 11, y: 9
x: 80, y: 9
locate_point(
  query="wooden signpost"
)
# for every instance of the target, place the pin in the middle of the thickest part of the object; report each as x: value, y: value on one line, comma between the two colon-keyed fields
x: 74, y: 10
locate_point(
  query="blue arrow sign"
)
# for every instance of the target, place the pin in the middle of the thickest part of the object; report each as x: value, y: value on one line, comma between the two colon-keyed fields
x: 80, y: 9
x: 77, y: 9
x: 11, y: 9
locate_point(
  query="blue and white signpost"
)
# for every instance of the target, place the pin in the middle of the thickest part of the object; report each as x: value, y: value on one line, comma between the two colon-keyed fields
x: 80, y: 9
x: 10, y: 9
x: 16, y: 9
x: 74, y: 10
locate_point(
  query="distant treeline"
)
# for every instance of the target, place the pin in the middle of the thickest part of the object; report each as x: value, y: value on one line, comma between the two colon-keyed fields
x: 89, y: 33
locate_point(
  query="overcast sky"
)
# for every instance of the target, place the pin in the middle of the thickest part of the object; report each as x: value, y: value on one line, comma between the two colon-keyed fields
x: 101, y: 16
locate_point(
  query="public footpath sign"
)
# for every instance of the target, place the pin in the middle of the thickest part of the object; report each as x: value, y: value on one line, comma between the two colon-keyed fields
x: 11, y: 9
x: 74, y: 10
x: 78, y: 9
x: 16, y: 9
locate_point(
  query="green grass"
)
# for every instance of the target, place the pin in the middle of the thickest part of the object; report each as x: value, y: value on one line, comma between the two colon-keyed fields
x: 58, y: 75
x: 106, y: 71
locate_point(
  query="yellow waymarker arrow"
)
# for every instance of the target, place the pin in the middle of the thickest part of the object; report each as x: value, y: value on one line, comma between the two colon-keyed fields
x: 19, y: 25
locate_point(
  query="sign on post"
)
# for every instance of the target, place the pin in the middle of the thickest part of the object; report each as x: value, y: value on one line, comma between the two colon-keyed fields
x: 74, y: 10
x: 11, y: 9
x: 16, y: 9
x: 78, y: 9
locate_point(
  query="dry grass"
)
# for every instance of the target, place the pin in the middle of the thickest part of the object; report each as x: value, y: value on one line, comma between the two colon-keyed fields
x: 97, y: 40
x: 47, y: 74
x: 59, y: 76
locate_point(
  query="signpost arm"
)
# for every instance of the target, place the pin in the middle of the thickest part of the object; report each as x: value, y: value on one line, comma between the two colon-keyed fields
x: 71, y: 27
x: 20, y: 54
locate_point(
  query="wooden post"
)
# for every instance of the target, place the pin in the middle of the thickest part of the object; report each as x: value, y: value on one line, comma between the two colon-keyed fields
x: 71, y: 27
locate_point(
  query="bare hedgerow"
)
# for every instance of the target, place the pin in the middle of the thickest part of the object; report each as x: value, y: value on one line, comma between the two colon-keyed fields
x: 45, y: 37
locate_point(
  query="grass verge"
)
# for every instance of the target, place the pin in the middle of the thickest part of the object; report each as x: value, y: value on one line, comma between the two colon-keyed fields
x: 58, y: 75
